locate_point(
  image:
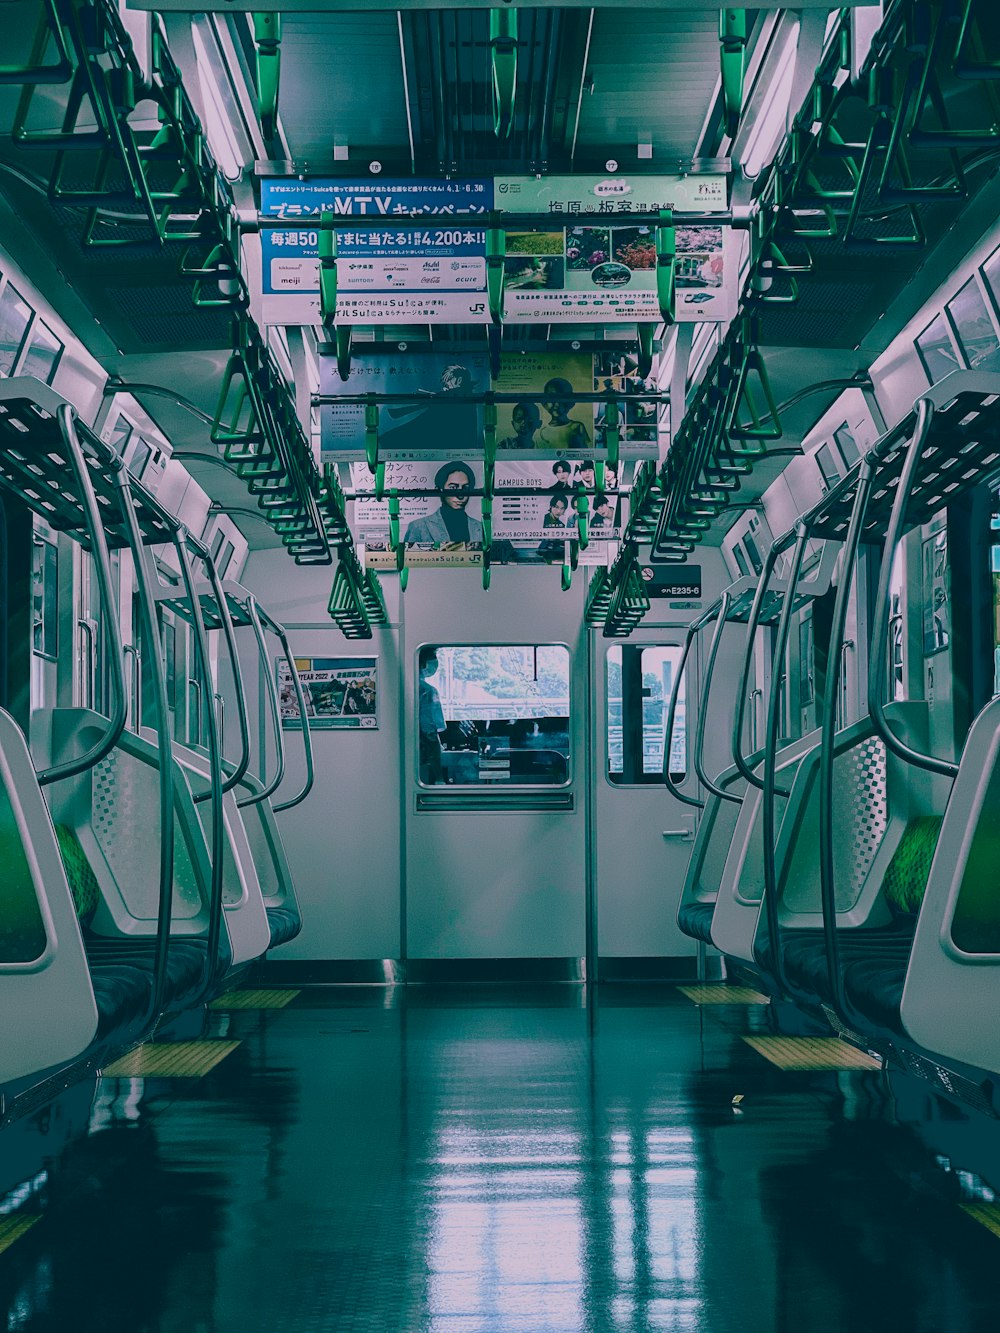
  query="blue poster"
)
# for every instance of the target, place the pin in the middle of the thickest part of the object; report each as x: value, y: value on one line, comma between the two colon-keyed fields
x: 443, y: 260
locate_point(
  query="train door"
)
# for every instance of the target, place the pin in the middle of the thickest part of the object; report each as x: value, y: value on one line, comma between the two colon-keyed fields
x: 495, y: 770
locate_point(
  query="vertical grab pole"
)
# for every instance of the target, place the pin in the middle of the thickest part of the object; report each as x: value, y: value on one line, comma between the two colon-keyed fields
x: 306, y: 733
x: 150, y: 631
x: 181, y: 539
x: 768, y: 820
x: 668, y: 739
x: 267, y: 788
x: 229, y: 633
x: 827, y: 877
x: 770, y: 560
x: 877, y: 660
x: 112, y: 629
x: 699, y: 746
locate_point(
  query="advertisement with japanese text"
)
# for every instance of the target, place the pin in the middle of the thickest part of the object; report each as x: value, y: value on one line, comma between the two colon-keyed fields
x: 440, y: 526
x: 385, y: 274
x: 340, y: 692
x: 543, y: 419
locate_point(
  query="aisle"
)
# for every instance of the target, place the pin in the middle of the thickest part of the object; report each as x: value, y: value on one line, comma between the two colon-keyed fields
x: 454, y: 1161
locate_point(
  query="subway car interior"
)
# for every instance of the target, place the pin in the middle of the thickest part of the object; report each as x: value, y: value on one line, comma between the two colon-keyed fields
x: 499, y: 666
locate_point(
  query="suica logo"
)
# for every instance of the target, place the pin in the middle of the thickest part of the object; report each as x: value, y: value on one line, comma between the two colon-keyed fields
x: 603, y: 189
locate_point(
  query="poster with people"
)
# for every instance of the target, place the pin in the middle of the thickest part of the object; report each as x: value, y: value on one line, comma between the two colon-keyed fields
x: 440, y: 520
x: 341, y: 693
x: 428, y: 417
x: 533, y: 500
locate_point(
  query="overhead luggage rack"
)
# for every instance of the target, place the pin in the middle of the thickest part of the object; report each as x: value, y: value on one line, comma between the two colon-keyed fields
x: 35, y: 464
x: 962, y: 448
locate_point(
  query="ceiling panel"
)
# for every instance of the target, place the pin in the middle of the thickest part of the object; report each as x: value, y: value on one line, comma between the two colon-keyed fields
x: 342, y: 82
x: 654, y: 74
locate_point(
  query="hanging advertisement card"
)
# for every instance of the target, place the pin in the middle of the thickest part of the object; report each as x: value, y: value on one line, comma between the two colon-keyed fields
x: 341, y: 693
x: 385, y: 274
x: 442, y: 527
x: 618, y: 195
x: 547, y: 513
x: 609, y: 272
x: 543, y: 421
x: 428, y: 426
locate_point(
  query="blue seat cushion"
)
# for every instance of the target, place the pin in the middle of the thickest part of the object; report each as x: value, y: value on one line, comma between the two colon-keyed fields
x: 111, y: 958
x: 874, y: 986
x: 804, y: 953
x: 285, y: 924
x: 695, y: 920
x: 122, y: 995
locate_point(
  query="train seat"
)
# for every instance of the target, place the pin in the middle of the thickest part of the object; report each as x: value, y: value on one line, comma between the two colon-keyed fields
x: 283, y: 913
x: 708, y: 858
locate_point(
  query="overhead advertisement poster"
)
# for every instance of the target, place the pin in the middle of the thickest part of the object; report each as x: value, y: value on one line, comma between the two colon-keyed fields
x: 441, y: 528
x: 385, y: 273
x: 606, y: 268
x: 341, y: 693
x: 543, y: 421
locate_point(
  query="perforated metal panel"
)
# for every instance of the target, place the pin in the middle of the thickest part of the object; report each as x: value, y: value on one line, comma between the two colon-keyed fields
x: 263, y: 855
x: 125, y: 820
x: 860, y: 816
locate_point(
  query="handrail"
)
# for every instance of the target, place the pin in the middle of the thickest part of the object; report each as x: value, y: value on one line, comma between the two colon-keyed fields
x: 771, y: 760
x: 877, y: 660
x: 215, y: 907
x: 827, y: 873
x: 689, y: 637
x: 699, y: 745
x: 267, y: 788
x: 307, y: 786
x: 150, y: 630
x: 770, y: 560
x: 102, y: 564
x: 229, y: 633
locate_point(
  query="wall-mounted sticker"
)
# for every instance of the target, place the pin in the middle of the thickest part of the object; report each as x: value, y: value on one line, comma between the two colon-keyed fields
x: 936, y: 594
x: 341, y: 693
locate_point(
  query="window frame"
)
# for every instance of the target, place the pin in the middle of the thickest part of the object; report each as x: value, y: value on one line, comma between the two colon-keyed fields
x: 629, y: 780
x: 472, y: 790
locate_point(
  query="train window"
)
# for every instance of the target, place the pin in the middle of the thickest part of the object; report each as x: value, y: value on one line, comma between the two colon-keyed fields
x: 972, y: 323
x: 936, y: 350
x: 22, y: 930
x: 752, y: 551
x: 639, y: 680
x: 741, y: 560
x: 45, y: 597
x: 15, y: 316
x: 828, y: 471
x: 491, y: 714
x: 847, y: 444
x: 44, y: 351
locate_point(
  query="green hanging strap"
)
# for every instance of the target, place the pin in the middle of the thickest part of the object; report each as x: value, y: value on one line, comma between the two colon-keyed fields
x: 379, y: 481
x: 344, y: 340
x: 566, y: 578
x: 645, y: 334
x: 496, y: 253
x: 764, y: 425
x: 394, y: 520
x: 582, y: 504
x: 666, y: 266
x: 487, y: 538
x: 503, y: 58
x: 371, y: 438
x: 732, y: 49
x: 327, y: 268
x: 612, y: 435
x: 267, y: 40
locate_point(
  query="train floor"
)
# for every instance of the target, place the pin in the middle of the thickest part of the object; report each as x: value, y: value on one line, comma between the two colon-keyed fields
x: 485, y: 1161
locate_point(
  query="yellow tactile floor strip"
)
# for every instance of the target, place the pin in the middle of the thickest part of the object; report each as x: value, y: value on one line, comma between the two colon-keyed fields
x: 812, y: 1053
x: 723, y: 995
x: 987, y: 1214
x: 175, y: 1059
x: 13, y: 1228
x: 254, y: 999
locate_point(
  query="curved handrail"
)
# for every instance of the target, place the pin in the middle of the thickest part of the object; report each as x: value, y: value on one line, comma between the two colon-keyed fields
x: 699, y: 745
x: 827, y: 874
x: 267, y: 788
x: 770, y: 560
x: 229, y: 633
x: 150, y: 630
x: 215, y: 909
x: 112, y: 629
x: 673, y: 787
x: 877, y: 660
x: 771, y: 761
x: 307, y: 786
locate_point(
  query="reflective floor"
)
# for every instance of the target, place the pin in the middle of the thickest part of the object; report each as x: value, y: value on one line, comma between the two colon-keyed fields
x: 456, y: 1161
